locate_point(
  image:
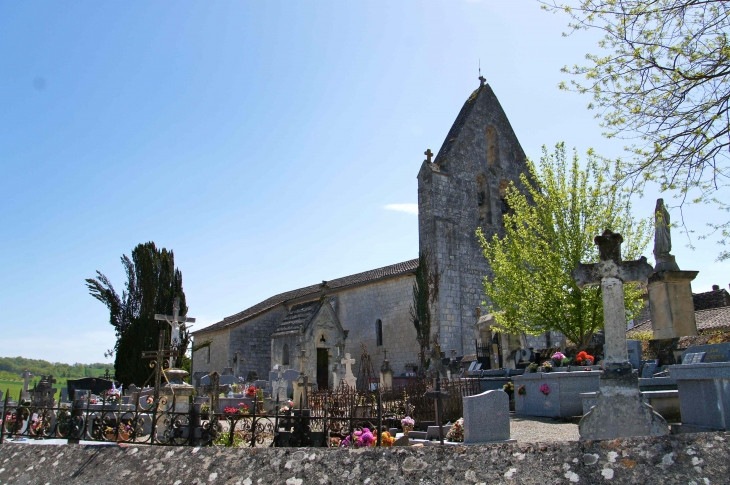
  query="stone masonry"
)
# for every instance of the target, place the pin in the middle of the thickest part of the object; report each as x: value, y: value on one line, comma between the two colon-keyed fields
x: 461, y: 190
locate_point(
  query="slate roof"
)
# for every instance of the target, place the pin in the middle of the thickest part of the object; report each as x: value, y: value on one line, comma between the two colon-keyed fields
x: 299, y: 315
x: 359, y: 278
x: 711, y: 299
x: 707, y: 321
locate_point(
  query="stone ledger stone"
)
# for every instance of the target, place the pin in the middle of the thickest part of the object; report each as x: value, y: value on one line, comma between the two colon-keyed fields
x: 672, y: 308
x: 486, y: 417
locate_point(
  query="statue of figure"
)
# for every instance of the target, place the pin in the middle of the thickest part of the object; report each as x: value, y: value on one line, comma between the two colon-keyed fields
x: 662, y: 237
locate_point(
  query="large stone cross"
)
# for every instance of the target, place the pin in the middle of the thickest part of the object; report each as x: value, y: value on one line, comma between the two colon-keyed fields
x: 611, y: 273
x: 212, y: 390
x: 174, y: 320
x: 437, y: 394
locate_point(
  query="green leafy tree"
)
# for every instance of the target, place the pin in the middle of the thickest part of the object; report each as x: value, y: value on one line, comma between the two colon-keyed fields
x: 152, y: 285
x: 662, y: 80
x: 549, y: 230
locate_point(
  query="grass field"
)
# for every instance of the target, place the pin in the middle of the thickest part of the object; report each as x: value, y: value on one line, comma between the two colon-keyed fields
x: 16, y: 387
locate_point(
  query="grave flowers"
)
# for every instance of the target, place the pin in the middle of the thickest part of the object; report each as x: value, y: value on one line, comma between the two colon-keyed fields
x: 509, y: 388
x: 456, y: 433
x: 362, y: 438
x: 251, y: 391
x: 583, y: 358
x: 547, y: 366
x: 532, y: 367
x: 557, y: 358
x: 386, y: 439
x: 242, y: 408
x: 522, y: 390
x: 545, y: 389
x: 407, y: 423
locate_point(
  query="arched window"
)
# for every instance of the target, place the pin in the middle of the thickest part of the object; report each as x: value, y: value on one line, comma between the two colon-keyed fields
x: 379, y: 332
x: 285, y: 355
x: 484, y: 202
x: 492, y: 146
x: 505, y: 208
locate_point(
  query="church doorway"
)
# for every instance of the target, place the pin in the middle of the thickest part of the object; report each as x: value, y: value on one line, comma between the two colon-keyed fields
x: 322, y: 367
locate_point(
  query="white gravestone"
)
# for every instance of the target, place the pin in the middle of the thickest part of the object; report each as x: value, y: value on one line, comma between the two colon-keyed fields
x: 486, y: 417
x: 349, y: 379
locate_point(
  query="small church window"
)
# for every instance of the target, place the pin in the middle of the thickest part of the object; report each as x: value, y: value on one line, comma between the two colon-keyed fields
x: 379, y: 332
x: 207, y: 355
x: 483, y: 201
x: 285, y: 355
x: 492, y: 146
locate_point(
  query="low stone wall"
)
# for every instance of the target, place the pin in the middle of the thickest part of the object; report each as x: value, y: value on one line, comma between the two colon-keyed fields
x: 686, y: 459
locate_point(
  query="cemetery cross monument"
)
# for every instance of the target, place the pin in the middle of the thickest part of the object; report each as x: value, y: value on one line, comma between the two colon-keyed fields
x: 619, y: 411
x: 174, y: 321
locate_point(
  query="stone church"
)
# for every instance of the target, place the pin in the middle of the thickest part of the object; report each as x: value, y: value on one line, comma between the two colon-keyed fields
x: 461, y: 189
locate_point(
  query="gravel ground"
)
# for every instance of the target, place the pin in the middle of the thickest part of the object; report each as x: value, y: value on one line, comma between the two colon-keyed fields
x: 535, y: 429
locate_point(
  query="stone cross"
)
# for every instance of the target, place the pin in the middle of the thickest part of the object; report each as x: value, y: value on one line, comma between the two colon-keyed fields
x: 611, y: 273
x: 26, y: 375
x: 350, y: 379
x: 482, y: 80
x: 428, y: 154
x: 174, y: 321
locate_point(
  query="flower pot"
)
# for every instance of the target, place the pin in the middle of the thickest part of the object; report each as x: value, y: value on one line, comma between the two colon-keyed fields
x: 407, y: 429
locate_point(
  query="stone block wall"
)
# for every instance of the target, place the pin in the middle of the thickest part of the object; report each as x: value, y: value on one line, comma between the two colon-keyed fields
x: 253, y: 340
x: 388, y: 300
x: 214, y: 357
x: 679, y: 459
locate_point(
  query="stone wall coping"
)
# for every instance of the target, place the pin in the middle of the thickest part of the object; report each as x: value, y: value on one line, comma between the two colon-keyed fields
x: 700, y: 458
x: 556, y: 375
x: 704, y: 370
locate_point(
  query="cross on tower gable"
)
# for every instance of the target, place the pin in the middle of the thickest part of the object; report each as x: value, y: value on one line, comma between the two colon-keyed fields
x: 429, y: 155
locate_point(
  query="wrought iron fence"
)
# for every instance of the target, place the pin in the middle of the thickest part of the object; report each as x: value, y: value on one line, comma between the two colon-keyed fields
x: 329, y: 417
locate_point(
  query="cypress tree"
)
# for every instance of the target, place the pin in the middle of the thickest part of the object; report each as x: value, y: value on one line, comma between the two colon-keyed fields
x: 152, y: 285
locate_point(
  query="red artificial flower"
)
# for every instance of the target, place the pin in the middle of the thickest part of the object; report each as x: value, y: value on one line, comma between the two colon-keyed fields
x: 251, y: 391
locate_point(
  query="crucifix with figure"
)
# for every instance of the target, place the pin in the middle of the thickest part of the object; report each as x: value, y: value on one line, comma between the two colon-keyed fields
x: 174, y: 320
x: 620, y: 410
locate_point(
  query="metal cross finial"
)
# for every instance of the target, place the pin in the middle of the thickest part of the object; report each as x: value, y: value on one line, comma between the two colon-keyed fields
x: 428, y: 154
x: 482, y: 80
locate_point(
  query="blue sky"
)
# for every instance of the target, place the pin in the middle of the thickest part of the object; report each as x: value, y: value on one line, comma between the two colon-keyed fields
x: 271, y: 145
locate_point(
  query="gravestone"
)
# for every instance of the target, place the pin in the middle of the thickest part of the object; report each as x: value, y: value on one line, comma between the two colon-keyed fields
x: 704, y: 396
x: 26, y: 375
x: 620, y: 410
x: 634, y: 349
x: 64, y: 394
x: 649, y: 368
x: 713, y: 352
x: 486, y: 417
x: 349, y: 378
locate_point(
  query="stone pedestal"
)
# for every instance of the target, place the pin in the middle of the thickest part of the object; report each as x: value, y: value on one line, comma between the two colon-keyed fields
x: 175, y: 386
x: 620, y: 410
x: 386, y: 375
x: 670, y: 301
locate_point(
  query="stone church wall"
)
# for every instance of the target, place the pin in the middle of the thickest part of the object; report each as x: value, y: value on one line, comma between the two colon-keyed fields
x: 389, y: 301
x: 253, y: 340
x: 214, y: 357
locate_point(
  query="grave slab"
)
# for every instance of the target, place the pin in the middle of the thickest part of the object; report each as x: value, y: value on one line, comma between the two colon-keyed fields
x: 563, y: 399
x: 486, y: 417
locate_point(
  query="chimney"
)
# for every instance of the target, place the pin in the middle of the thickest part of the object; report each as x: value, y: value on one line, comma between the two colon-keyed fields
x: 715, y: 287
